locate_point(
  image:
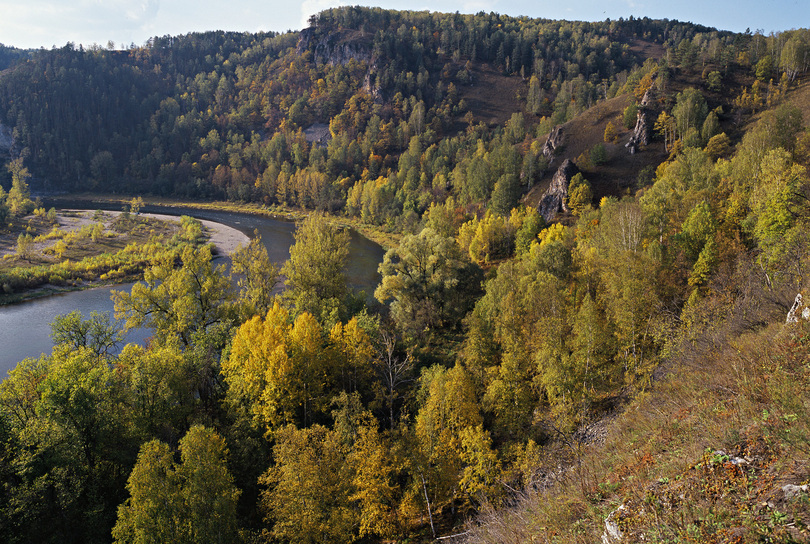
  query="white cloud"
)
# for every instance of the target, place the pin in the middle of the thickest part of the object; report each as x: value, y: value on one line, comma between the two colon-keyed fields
x: 311, y: 7
x: 35, y: 23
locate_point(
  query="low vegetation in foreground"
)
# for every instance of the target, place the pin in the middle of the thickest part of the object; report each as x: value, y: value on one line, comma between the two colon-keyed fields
x: 716, y: 451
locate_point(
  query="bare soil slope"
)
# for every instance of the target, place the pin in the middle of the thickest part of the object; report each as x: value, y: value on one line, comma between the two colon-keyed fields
x: 492, y: 96
x: 619, y: 174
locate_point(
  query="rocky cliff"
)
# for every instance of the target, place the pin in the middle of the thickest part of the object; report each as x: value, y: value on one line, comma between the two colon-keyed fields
x: 554, y: 141
x: 335, y: 47
x: 554, y: 199
x: 645, y: 118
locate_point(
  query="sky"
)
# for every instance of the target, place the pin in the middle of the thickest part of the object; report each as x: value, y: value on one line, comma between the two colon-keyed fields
x: 48, y: 23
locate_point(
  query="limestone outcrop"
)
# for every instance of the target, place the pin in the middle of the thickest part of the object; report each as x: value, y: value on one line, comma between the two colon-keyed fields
x: 554, y: 199
x: 335, y: 47
x: 642, y: 132
x: 554, y: 141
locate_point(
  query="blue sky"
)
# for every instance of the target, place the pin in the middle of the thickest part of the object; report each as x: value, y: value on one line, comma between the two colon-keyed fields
x: 47, y: 23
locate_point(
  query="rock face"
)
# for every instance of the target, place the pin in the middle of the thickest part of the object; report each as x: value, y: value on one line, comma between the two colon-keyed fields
x: 644, y: 121
x: 613, y: 533
x: 641, y: 132
x: 6, y: 139
x: 318, y: 134
x: 792, y: 491
x: 335, y: 47
x: 555, y: 140
x: 340, y: 47
x: 799, y: 308
x: 554, y: 199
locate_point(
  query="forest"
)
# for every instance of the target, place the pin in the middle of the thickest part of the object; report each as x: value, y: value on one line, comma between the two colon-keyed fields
x: 518, y: 376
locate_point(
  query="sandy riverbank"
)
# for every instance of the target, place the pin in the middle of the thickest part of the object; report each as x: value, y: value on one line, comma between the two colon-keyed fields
x: 226, y: 239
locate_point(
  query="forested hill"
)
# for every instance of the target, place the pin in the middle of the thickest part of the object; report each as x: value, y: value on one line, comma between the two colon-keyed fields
x: 223, y: 114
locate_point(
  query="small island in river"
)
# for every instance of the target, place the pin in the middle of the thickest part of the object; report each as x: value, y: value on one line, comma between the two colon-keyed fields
x: 57, y: 250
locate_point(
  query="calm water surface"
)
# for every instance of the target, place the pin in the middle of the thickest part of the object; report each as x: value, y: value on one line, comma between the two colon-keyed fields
x: 25, y: 327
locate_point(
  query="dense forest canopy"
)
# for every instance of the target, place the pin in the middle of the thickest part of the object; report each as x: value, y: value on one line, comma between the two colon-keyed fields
x: 208, y: 115
x: 504, y: 328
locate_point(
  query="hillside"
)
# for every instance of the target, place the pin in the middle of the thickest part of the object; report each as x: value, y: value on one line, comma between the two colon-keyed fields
x: 714, y: 451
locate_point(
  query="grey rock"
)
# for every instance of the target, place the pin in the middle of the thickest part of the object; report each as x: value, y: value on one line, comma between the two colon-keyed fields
x: 792, y: 491
x: 798, y: 308
x: 641, y: 132
x: 554, y: 199
x: 554, y: 141
x: 612, y: 533
x: 318, y: 134
x: 334, y: 47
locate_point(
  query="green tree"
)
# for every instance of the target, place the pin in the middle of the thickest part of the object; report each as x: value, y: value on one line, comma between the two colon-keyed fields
x: 610, y: 136
x: 19, y: 196
x: 590, y: 346
x: 178, y: 302
x: 163, y: 388
x: 25, y: 246
x: 714, y: 81
x: 505, y: 194
x: 778, y: 207
x: 69, y: 441
x: 190, y: 501
x: 696, y: 230
x: 135, y: 205
x: 705, y: 264
x: 630, y: 116
x: 152, y: 512
x: 580, y: 195
x: 792, y: 60
x: 448, y: 406
x: 429, y: 281
x: 309, y: 488
x: 718, y: 146
x: 375, y: 489
x: 531, y: 226
x: 280, y: 372
x: 257, y: 277
x: 711, y: 125
x: 534, y: 97
x: 764, y: 68
x: 99, y: 333
x: 102, y: 168
x: 690, y: 111
x: 315, y: 277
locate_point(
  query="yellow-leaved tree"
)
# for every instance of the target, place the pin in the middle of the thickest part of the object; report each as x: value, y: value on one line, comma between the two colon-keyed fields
x: 277, y: 369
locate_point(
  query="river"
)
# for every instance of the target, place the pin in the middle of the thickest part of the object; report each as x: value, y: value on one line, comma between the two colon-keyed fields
x: 25, y: 326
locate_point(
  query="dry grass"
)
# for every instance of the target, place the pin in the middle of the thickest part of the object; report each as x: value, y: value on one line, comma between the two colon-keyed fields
x: 493, y: 97
x: 702, y: 457
x: 799, y: 96
x: 619, y: 174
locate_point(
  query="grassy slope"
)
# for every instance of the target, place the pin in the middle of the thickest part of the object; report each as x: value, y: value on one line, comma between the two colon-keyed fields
x: 492, y: 97
x: 704, y: 454
x: 702, y: 458
x: 618, y: 175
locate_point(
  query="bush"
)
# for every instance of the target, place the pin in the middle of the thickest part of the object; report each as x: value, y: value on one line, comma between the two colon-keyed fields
x: 598, y: 154
x: 629, y: 116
